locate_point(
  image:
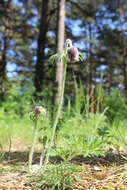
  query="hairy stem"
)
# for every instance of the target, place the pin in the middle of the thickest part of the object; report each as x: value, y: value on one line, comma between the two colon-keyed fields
x: 44, y: 150
x: 57, y: 114
x: 9, y: 151
x: 32, y: 146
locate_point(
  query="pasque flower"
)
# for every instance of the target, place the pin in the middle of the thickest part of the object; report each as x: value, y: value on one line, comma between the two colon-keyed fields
x: 72, y: 52
x: 39, y: 110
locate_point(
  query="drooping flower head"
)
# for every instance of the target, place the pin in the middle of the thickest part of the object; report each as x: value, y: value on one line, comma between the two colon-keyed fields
x: 72, y: 52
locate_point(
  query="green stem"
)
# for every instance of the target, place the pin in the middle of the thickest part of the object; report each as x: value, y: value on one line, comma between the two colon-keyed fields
x: 43, y: 153
x: 57, y: 114
x: 32, y: 146
x: 9, y: 151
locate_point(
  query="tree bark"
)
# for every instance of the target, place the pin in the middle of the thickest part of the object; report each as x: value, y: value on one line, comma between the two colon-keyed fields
x: 124, y: 70
x: 124, y: 54
x: 91, y: 71
x: 39, y: 68
x: 109, y: 74
x: 3, y: 62
x: 60, y: 46
x: 87, y: 75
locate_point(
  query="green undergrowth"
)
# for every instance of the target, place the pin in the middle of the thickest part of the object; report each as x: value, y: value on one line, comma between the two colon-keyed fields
x: 79, y: 132
x: 76, y: 135
x: 61, y: 176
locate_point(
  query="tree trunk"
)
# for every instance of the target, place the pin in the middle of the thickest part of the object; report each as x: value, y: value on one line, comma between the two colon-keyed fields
x: 39, y: 68
x: 109, y: 74
x: 87, y: 76
x: 91, y: 71
x: 60, y: 46
x: 3, y: 62
x: 3, y: 65
x: 124, y: 65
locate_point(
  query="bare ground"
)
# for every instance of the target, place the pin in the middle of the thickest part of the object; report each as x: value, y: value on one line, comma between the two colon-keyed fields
x: 103, y: 173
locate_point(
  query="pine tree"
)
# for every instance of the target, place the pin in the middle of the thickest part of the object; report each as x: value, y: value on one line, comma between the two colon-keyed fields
x: 5, y: 22
x: 39, y: 70
x: 60, y: 45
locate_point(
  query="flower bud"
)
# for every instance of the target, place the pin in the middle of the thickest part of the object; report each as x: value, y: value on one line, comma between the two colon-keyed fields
x: 39, y: 110
x: 73, y: 54
x: 68, y: 43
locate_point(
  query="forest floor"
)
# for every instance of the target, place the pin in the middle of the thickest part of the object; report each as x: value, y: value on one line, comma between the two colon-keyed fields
x: 103, y: 173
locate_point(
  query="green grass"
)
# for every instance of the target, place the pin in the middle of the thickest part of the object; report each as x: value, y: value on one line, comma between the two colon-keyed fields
x: 76, y: 135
